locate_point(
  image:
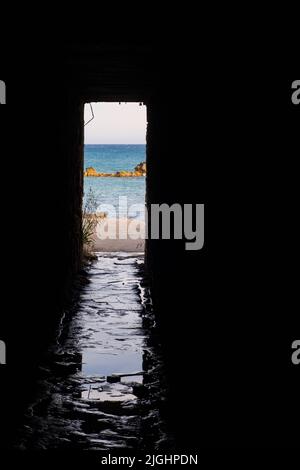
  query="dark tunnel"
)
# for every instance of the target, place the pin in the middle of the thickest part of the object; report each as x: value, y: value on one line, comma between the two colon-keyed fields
x: 211, y: 305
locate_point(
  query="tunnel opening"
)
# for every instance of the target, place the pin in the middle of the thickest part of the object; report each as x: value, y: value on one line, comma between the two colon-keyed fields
x: 114, y: 188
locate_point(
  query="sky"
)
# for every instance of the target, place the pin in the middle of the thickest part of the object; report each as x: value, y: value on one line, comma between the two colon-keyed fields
x: 115, y: 123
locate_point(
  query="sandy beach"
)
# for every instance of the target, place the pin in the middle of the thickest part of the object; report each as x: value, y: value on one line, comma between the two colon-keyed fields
x: 114, y: 235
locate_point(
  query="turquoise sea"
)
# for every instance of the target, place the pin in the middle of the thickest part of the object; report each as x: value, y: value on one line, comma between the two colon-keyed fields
x: 109, y: 159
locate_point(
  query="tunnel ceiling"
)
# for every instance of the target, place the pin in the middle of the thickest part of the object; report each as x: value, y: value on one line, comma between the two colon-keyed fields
x: 111, y: 72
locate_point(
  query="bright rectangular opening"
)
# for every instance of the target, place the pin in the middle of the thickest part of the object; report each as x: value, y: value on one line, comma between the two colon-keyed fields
x: 114, y: 177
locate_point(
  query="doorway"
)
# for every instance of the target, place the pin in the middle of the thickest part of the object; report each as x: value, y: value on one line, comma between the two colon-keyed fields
x: 114, y: 177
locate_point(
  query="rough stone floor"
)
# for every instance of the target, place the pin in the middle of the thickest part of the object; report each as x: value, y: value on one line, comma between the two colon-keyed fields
x: 85, y: 398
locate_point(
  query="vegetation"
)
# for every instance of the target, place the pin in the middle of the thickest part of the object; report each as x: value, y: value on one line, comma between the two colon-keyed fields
x: 90, y: 219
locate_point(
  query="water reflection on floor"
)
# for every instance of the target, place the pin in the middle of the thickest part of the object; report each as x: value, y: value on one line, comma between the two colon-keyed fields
x: 101, y: 385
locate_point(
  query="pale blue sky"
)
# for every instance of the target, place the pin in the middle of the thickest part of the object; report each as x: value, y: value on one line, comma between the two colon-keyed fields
x: 115, y: 123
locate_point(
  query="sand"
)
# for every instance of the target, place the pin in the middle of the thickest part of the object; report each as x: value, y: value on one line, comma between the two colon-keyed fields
x: 126, y: 235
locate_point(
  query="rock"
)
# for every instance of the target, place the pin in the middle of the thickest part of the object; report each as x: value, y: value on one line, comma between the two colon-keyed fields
x: 90, y: 171
x: 140, y: 169
x: 123, y: 174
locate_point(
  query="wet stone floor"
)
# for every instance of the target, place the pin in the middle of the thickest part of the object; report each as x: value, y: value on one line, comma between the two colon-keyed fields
x: 101, y: 385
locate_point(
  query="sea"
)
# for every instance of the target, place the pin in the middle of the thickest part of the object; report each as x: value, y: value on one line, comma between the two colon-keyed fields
x: 107, y: 190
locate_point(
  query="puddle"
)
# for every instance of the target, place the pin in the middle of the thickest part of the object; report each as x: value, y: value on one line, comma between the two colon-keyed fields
x: 101, y: 363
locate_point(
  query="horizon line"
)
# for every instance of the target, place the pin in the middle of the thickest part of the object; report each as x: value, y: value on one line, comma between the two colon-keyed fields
x: 115, y: 143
